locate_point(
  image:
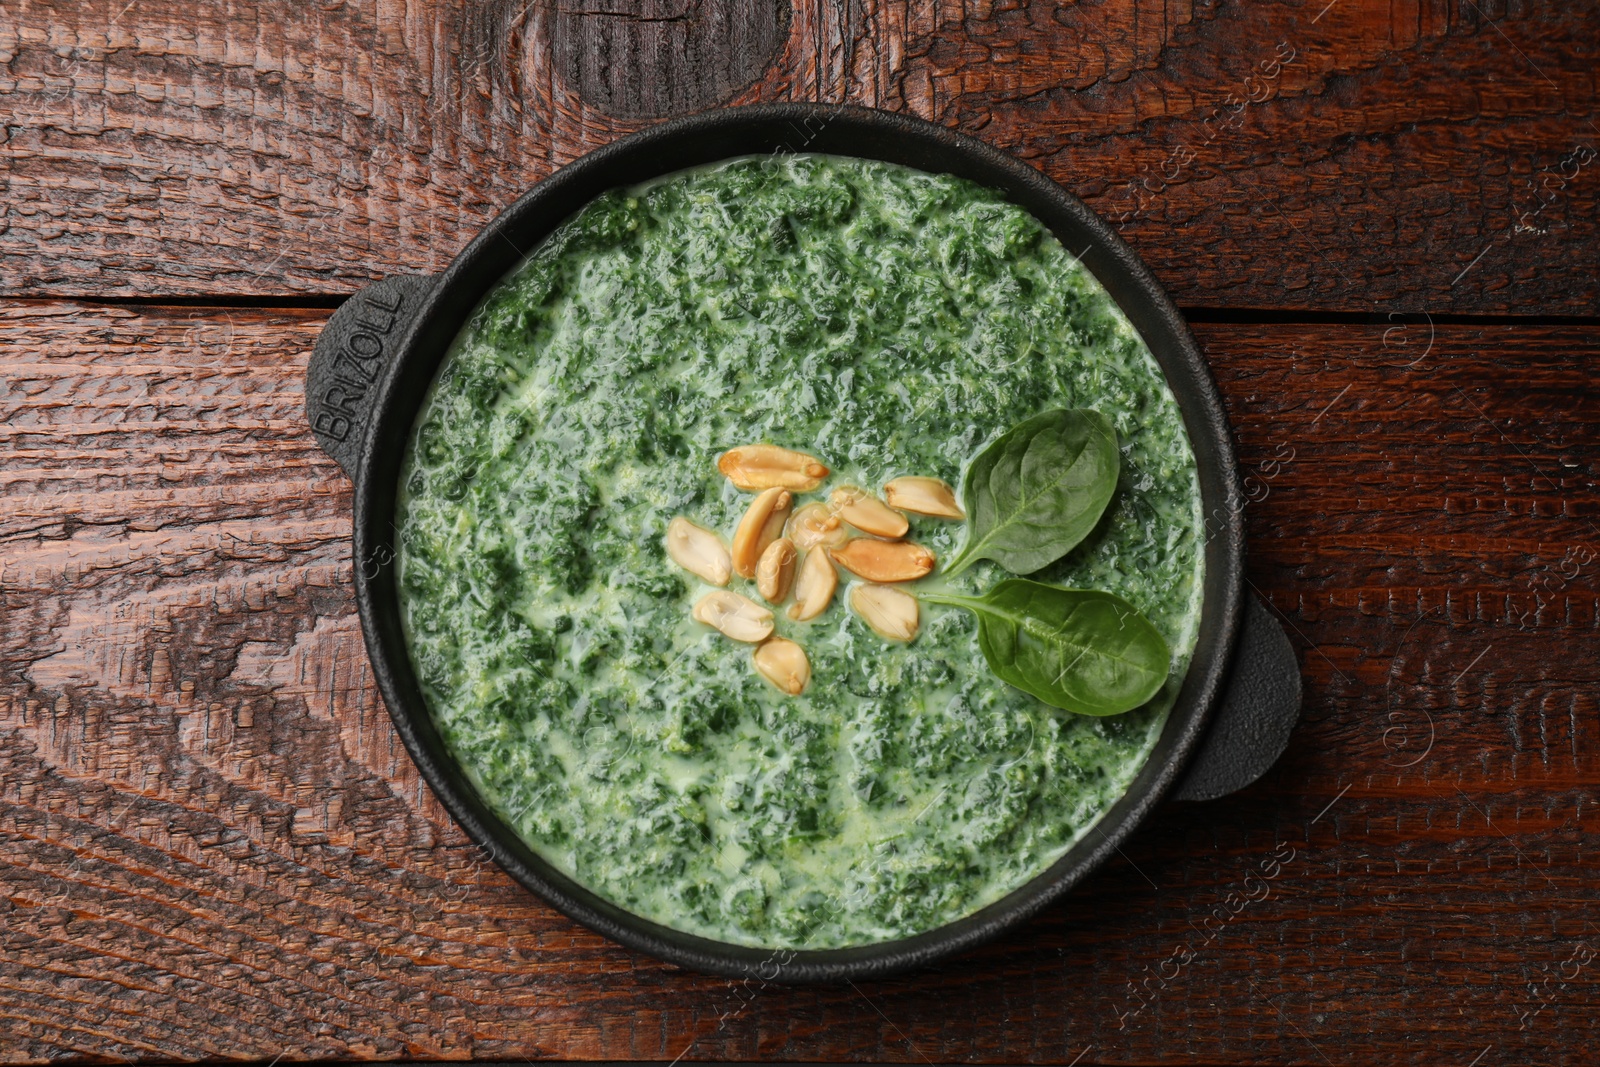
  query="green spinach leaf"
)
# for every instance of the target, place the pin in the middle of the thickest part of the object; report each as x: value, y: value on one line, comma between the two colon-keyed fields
x: 1080, y: 650
x: 1037, y: 490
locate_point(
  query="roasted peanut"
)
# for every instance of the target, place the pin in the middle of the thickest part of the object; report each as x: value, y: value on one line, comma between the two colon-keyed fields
x: 699, y: 551
x: 762, y: 524
x: 892, y: 614
x: 924, y: 496
x: 813, y: 586
x: 736, y: 616
x: 784, y: 664
x: 884, y: 561
x: 867, y: 513
x: 754, y: 467
x: 775, y: 571
x: 813, y: 525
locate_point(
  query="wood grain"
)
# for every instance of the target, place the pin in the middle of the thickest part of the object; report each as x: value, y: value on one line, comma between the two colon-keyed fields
x: 1414, y: 155
x: 211, y: 843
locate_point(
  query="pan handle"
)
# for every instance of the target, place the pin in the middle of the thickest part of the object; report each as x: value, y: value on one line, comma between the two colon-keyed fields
x: 1259, y: 708
x: 352, y: 355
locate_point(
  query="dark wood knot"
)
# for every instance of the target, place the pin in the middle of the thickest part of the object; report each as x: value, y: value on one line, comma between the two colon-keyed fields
x: 655, y: 58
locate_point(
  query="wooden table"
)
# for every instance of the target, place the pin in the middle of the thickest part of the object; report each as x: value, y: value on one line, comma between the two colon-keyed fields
x: 1381, y: 218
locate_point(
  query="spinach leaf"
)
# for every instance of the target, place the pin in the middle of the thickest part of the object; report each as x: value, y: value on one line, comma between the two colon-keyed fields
x: 1037, y: 490
x: 1080, y: 650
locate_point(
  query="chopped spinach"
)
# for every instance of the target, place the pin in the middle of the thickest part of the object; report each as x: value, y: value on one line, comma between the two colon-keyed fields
x: 886, y: 320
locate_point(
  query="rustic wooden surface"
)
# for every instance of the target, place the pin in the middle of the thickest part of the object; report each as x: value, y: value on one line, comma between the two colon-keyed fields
x: 212, y: 844
x: 1257, y: 155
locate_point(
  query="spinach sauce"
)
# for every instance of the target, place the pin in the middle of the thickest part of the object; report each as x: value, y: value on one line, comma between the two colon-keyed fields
x: 887, y: 321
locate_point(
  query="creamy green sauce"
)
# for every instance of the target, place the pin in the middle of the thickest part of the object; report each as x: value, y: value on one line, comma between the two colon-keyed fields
x: 888, y: 322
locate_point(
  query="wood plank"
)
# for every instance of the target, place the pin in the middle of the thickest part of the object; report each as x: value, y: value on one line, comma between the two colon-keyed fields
x: 211, y: 842
x: 1294, y: 155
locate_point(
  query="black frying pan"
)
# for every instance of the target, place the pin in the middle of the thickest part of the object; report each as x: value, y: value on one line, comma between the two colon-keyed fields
x: 376, y: 358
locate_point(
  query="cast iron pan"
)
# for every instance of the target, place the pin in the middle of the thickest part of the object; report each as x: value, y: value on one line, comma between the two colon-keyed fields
x: 374, y: 362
